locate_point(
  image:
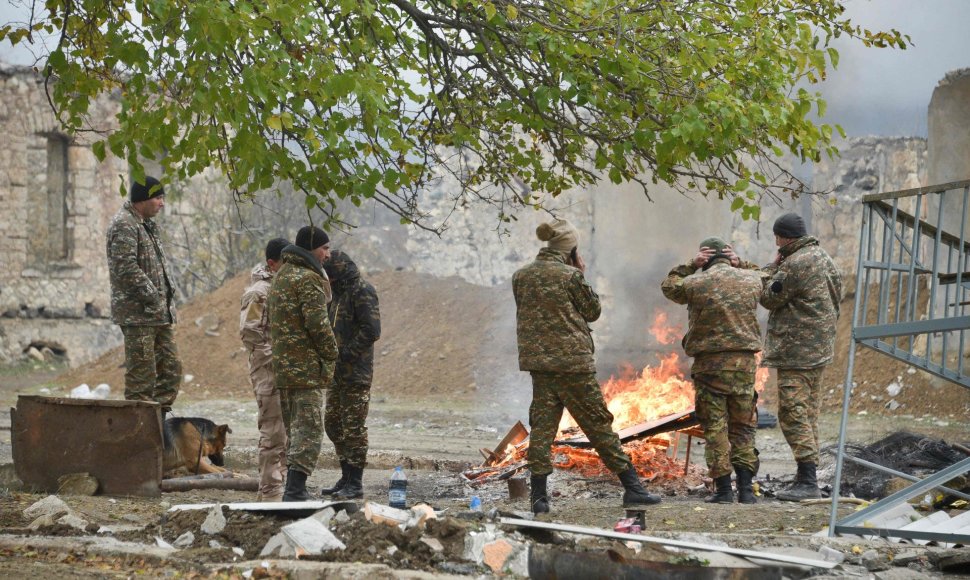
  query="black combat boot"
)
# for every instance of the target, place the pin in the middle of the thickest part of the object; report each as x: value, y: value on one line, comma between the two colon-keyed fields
x: 745, y: 487
x: 340, y: 482
x: 295, y: 486
x: 539, y: 499
x: 722, y: 490
x: 354, y: 487
x: 805, y: 486
x: 635, y: 494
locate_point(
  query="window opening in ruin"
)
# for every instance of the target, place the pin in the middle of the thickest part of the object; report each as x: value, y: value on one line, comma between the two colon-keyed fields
x: 48, y: 234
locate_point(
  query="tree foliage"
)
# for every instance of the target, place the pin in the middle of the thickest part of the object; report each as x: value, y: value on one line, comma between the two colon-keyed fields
x: 516, y: 100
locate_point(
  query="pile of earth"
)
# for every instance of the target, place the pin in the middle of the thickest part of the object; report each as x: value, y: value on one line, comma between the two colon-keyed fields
x: 446, y: 337
x: 436, y: 336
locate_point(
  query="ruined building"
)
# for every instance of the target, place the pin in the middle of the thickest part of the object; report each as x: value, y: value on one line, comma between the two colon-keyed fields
x: 57, y: 201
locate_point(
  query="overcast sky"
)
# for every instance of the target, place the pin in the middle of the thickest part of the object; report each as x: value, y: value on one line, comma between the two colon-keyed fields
x: 873, y: 92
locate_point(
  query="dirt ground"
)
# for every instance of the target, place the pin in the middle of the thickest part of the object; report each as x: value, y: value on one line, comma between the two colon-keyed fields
x: 433, y: 409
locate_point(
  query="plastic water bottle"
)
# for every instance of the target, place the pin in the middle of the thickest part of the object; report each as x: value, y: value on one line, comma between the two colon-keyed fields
x: 397, y: 494
x: 476, y: 504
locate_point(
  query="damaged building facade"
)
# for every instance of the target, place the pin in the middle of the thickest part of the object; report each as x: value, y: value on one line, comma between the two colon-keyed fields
x: 57, y: 201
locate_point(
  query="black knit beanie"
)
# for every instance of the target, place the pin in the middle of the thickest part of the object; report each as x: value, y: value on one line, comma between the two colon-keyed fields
x: 311, y: 238
x: 143, y: 192
x: 274, y: 248
x: 790, y: 225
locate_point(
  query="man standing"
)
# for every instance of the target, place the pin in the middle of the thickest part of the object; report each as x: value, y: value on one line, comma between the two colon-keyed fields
x: 555, y: 305
x: 143, y: 298
x: 255, y: 335
x: 304, y: 352
x: 803, y: 295
x: 356, y: 319
x: 723, y: 336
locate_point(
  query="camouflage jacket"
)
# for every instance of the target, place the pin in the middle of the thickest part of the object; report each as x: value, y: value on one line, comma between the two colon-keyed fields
x: 304, y: 349
x: 722, y: 306
x: 803, y: 295
x: 141, y: 291
x: 554, y: 306
x: 254, y: 318
x: 356, y: 318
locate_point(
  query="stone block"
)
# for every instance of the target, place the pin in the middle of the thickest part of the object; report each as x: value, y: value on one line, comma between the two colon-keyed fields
x: 215, y: 522
x: 185, y: 540
x: 50, y: 506
x: 77, y: 484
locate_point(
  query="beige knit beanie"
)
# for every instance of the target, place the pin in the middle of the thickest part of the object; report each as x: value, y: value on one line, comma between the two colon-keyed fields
x: 559, y: 235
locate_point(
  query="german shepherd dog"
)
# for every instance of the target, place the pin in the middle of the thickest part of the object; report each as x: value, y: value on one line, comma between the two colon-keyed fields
x: 187, y: 440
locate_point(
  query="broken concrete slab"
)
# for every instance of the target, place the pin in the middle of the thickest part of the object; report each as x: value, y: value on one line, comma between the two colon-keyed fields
x: 77, y: 484
x: 926, y: 524
x: 50, y: 505
x: 831, y: 555
x: 324, y: 516
x: 305, y: 537
x: 43, y: 521
x: 296, y: 509
x: 215, y: 522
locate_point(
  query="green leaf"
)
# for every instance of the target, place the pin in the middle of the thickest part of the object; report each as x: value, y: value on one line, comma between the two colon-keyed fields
x: 275, y: 122
x: 737, y: 203
x: 490, y: 11
x: 98, y: 149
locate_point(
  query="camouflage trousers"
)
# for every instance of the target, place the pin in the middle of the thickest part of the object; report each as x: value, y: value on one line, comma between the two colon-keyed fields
x: 153, y: 371
x: 580, y: 394
x: 726, y: 406
x: 346, y: 421
x: 799, y: 400
x: 272, y: 432
x: 302, y: 415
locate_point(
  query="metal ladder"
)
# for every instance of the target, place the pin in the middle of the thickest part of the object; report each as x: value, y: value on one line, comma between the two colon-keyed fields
x: 918, y: 275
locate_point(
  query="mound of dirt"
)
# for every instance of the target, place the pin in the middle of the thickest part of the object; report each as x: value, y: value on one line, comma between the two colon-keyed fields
x: 432, y: 329
x: 442, y: 337
x: 885, y: 386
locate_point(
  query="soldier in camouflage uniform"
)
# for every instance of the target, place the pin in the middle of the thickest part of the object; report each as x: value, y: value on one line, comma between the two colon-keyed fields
x: 143, y: 298
x: 555, y: 305
x: 356, y: 319
x: 803, y: 295
x: 723, y: 337
x: 254, y: 332
x: 304, y: 352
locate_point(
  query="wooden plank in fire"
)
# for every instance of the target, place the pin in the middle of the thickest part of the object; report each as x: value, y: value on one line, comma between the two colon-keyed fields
x: 517, y: 434
x: 676, y: 422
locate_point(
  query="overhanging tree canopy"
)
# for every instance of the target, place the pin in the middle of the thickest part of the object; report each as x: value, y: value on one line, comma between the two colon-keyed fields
x: 516, y: 99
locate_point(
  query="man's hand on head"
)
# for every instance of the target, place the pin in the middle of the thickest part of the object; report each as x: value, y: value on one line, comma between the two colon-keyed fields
x: 703, y: 256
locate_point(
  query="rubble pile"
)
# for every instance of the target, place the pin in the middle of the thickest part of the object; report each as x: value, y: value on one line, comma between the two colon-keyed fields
x: 902, y: 451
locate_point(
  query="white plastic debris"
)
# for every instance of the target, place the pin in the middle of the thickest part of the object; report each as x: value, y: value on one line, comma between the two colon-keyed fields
x: 189, y: 378
x: 239, y: 551
x: 101, y: 391
x: 161, y: 543
x: 82, y: 391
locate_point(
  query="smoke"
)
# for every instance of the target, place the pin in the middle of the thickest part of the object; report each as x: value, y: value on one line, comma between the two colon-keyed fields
x: 886, y: 92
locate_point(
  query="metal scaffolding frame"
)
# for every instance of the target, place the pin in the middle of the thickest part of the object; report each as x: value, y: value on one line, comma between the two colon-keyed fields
x: 918, y: 276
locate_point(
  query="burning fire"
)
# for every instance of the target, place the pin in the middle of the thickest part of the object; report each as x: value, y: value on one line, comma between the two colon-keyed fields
x: 633, y: 398
x: 650, y: 394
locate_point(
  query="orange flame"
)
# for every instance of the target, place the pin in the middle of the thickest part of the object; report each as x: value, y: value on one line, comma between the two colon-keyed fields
x: 663, y: 332
x: 652, y: 393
